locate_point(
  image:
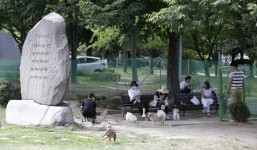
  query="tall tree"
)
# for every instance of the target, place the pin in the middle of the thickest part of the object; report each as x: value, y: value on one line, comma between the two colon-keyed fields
x: 171, y: 23
x: 21, y: 16
x: 129, y: 17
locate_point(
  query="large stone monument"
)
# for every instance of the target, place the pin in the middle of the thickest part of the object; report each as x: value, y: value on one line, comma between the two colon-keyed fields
x: 8, y: 47
x: 44, y: 76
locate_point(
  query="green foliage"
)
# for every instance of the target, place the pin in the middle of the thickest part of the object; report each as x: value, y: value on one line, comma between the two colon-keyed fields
x: 8, y: 91
x: 100, y: 76
x: 239, y: 111
x: 106, y: 39
x: 102, y: 101
x: 190, y: 54
x: 10, y: 75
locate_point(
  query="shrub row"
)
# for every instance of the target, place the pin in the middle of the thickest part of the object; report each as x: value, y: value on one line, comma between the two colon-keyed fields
x: 8, y: 91
x: 100, y: 76
x: 103, y: 101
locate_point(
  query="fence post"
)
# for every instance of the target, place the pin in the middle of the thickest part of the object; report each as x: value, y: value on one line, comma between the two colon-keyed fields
x: 117, y: 76
x: 160, y: 72
x: 220, y: 95
x: 188, y: 66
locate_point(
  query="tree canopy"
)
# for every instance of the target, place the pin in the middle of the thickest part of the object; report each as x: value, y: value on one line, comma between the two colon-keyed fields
x: 144, y: 27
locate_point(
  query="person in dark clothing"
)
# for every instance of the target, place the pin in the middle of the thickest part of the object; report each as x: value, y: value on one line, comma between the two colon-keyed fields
x: 160, y: 100
x: 88, y: 107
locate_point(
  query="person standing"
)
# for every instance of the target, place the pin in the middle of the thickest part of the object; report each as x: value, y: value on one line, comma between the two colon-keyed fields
x: 235, y: 82
x: 134, y: 95
x: 185, y: 85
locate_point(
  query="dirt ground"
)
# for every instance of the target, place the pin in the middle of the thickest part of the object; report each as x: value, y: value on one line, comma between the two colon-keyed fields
x: 198, y: 129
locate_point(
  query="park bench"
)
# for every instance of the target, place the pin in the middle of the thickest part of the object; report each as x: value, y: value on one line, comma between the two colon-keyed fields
x: 183, y: 103
x: 126, y: 103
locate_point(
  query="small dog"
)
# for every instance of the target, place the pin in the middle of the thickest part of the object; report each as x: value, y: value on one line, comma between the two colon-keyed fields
x: 176, y: 114
x: 109, y: 133
x: 130, y: 117
x: 156, y: 117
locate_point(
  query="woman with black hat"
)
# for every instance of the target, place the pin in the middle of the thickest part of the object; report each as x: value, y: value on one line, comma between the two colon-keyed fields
x: 134, y: 94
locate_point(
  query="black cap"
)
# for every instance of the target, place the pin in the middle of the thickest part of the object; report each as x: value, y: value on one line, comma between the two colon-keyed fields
x: 133, y: 83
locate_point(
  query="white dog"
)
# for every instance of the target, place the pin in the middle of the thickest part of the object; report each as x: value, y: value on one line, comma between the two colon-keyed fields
x: 176, y: 114
x: 130, y: 117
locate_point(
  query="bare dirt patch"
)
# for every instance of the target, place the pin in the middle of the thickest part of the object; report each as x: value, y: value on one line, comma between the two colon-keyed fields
x: 195, y: 130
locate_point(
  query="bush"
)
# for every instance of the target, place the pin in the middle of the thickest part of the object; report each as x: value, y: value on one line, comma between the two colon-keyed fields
x: 8, y: 91
x: 101, y: 76
x: 239, y: 111
x: 10, y: 75
x: 102, y: 101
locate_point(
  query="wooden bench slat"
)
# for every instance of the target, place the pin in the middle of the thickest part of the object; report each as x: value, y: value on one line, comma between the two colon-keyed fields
x: 125, y: 101
x: 184, y: 103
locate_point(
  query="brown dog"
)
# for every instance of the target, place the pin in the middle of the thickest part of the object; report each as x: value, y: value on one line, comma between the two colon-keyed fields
x: 156, y: 117
x: 109, y: 133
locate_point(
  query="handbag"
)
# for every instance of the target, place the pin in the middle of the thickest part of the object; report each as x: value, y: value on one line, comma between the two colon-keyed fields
x: 195, y: 101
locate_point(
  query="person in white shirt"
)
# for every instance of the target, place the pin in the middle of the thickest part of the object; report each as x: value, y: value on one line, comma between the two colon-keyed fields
x: 185, y: 85
x: 134, y: 94
x: 207, y: 97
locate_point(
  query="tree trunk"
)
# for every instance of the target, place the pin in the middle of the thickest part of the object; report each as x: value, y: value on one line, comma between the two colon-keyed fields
x: 125, y: 61
x: 74, y: 46
x: 134, y: 62
x: 206, y: 68
x: 152, y: 60
x: 173, y: 65
x: 89, y: 52
x: 23, y: 35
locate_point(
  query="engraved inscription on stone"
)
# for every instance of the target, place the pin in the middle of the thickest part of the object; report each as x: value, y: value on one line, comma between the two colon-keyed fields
x: 45, y: 63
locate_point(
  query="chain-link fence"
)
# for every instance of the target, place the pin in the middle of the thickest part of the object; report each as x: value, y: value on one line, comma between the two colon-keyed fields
x: 112, y: 77
x: 9, y: 70
x: 249, y: 90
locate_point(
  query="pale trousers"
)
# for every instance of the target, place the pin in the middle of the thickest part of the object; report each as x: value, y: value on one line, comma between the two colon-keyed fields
x: 206, y: 104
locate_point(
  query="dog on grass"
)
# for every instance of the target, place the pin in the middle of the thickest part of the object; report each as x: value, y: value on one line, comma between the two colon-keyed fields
x: 110, y: 133
x: 157, y: 117
x: 176, y: 114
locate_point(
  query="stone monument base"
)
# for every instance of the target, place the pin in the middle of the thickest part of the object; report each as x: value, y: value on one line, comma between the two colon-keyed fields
x: 28, y: 112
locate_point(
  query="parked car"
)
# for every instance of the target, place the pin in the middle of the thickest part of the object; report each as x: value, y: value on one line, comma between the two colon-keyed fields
x: 90, y: 63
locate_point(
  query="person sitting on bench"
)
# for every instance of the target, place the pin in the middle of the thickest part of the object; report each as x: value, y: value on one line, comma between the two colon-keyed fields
x: 134, y: 95
x: 160, y: 100
x: 207, y: 98
x: 185, y: 85
x: 88, y: 108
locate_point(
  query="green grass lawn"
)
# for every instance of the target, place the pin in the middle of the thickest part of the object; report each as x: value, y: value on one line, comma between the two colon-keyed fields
x: 13, y: 137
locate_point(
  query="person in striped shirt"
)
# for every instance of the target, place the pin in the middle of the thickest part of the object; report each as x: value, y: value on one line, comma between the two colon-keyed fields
x: 235, y: 82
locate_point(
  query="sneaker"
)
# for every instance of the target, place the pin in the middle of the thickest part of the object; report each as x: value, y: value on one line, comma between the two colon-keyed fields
x: 143, y: 115
x: 208, y: 115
